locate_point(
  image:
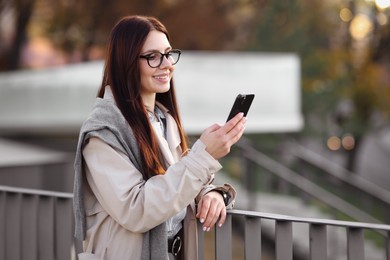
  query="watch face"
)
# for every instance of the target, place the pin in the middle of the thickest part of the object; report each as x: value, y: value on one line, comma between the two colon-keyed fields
x: 226, y: 198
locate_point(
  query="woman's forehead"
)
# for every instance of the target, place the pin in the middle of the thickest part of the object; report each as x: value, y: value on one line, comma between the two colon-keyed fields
x: 156, y: 41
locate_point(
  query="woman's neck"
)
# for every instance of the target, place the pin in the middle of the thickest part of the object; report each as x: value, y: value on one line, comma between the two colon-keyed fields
x: 149, y: 101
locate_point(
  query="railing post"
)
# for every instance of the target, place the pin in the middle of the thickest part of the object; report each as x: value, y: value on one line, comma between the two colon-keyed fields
x: 318, y: 242
x: 2, y: 225
x: 388, y: 246
x: 223, y: 240
x: 46, y: 226
x: 284, y: 241
x: 29, y: 227
x: 252, y: 238
x: 200, y: 240
x: 12, y: 228
x: 355, y: 244
x: 64, y: 228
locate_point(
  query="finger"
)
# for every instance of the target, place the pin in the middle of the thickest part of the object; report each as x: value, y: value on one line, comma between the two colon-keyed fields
x: 222, y: 217
x: 212, y: 128
x: 203, y: 208
x: 219, y: 212
x: 232, y: 123
x: 211, y: 217
x: 235, y: 134
x: 199, y: 206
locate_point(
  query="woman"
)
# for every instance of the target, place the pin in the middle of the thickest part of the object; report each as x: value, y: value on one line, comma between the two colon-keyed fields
x: 138, y: 188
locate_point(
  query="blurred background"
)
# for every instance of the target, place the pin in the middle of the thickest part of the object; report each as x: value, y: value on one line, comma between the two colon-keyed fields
x: 343, y: 49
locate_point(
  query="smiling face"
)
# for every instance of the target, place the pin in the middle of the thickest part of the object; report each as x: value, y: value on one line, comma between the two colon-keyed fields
x: 155, y: 80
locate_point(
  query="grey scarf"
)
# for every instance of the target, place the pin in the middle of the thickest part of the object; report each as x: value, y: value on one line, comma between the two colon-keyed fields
x: 107, y: 122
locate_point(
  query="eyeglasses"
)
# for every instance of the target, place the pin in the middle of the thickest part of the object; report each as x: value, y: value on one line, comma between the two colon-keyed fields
x: 155, y: 59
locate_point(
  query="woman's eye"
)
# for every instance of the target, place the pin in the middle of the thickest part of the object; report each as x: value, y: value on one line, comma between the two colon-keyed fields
x: 153, y: 57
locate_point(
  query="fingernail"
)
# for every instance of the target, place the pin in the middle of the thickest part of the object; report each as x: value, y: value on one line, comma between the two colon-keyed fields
x: 201, y: 220
x: 220, y: 225
x: 208, y: 229
x: 204, y: 228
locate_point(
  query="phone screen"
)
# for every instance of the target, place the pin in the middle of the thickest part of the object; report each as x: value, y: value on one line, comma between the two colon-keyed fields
x: 241, y: 104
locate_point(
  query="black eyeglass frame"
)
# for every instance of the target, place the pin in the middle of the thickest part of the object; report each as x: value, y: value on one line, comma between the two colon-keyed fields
x: 166, y: 55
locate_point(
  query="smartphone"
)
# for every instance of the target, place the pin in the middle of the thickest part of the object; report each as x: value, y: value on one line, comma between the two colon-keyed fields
x: 241, y: 104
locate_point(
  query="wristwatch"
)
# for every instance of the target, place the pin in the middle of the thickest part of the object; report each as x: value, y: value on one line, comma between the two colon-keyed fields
x: 225, y: 196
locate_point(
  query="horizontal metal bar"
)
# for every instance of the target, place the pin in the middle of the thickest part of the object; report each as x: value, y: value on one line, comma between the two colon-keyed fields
x: 9, y: 189
x: 329, y: 222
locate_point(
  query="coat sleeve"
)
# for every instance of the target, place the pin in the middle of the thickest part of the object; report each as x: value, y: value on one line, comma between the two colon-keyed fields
x: 140, y: 205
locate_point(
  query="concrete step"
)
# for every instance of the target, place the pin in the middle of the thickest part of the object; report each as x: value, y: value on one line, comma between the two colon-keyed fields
x: 34, y: 167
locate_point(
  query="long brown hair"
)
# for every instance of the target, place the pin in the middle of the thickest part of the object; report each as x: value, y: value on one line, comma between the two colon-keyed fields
x: 122, y: 73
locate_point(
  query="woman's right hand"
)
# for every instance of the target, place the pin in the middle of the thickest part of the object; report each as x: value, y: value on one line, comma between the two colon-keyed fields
x: 219, y: 139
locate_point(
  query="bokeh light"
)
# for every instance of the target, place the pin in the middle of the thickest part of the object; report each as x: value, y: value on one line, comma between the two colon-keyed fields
x: 333, y: 143
x: 361, y: 26
x: 348, y: 142
x: 382, y: 19
x: 345, y: 14
x: 382, y: 4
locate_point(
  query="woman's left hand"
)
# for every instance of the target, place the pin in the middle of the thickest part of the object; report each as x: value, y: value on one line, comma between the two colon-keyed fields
x: 211, y: 208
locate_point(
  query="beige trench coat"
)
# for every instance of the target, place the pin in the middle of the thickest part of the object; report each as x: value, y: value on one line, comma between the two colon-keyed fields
x: 121, y: 206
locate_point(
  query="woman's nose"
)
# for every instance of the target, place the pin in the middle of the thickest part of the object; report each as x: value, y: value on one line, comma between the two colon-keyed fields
x: 166, y: 62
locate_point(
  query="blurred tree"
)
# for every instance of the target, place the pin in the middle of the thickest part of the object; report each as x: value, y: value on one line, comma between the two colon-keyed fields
x: 304, y: 27
x: 367, y: 82
x: 343, y: 87
x: 199, y: 25
x: 13, y: 31
x: 77, y: 29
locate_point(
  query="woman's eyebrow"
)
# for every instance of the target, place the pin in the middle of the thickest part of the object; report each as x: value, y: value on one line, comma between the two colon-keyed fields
x: 153, y: 51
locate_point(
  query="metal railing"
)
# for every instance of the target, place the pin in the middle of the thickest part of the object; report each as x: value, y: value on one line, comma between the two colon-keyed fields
x: 35, y: 224
x: 317, y: 236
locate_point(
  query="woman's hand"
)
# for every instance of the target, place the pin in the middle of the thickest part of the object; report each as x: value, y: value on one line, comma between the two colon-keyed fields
x: 211, y: 208
x: 219, y: 139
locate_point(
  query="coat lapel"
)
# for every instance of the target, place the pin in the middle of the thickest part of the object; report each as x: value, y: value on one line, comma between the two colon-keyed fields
x: 170, y: 147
